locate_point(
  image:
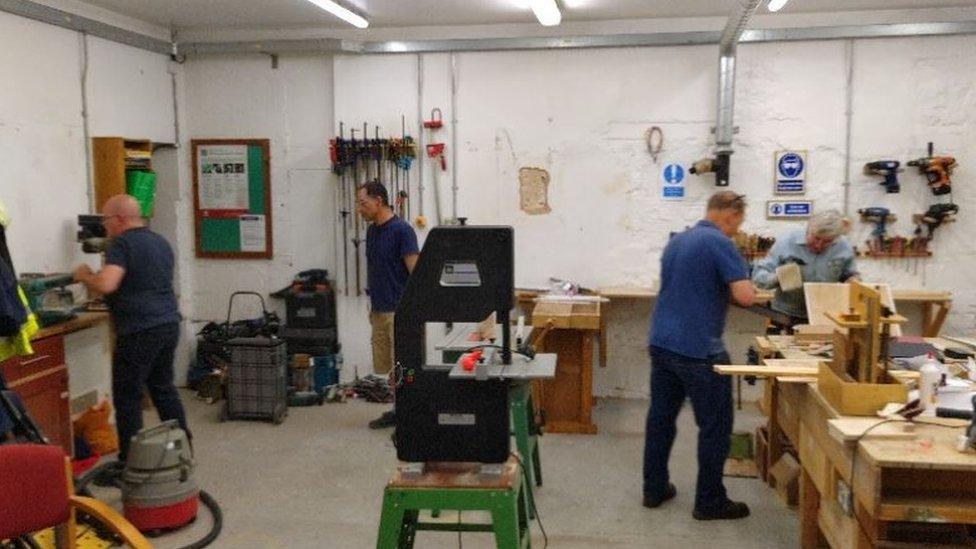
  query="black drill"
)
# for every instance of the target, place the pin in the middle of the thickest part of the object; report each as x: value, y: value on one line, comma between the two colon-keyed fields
x: 936, y: 215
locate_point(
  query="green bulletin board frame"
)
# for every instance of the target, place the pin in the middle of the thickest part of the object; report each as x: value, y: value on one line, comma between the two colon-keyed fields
x: 220, y: 237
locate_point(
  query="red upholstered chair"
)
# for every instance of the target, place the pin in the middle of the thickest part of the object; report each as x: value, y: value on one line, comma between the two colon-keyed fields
x: 36, y: 492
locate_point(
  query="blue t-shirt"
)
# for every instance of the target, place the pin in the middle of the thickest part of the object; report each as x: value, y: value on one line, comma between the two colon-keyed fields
x: 145, y: 297
x: 696, y: 269
x: 386, y: 273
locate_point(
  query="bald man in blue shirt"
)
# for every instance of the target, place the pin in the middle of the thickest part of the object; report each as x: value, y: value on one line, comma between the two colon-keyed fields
x: 701, y: 272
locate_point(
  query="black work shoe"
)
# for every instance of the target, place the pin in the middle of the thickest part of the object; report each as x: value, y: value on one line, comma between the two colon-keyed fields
x: 730, y: 510
x: 388, y: 419
x: 655, y: 501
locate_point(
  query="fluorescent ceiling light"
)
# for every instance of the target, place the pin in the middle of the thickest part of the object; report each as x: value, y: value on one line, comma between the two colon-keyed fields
x: 547, y: 12
x: 776, y: 5
x: 341, y: 12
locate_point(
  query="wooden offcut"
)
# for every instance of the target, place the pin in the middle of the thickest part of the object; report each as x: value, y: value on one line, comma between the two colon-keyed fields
x: 825, y: 297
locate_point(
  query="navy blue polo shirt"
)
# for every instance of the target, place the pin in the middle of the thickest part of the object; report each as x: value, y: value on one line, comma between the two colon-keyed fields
x: 696, y: 269
x: 386, y: 273
x: 145, y: 298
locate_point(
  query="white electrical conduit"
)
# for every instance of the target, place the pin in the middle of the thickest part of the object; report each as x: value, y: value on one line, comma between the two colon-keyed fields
x: 848, y: 121
x: 454, y: 139
x: 421, y: 148
x: 85, y: 130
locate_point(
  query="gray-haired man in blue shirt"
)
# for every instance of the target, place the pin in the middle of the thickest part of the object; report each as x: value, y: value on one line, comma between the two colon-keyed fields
x: 822, y: 254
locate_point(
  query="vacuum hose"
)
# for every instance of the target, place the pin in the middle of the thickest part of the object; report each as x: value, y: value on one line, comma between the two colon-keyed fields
x: 81, y: 487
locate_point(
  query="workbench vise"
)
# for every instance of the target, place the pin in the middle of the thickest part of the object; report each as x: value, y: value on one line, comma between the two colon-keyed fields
x: 91, y: 233
x: 49, y: 297
x: 463, y: 274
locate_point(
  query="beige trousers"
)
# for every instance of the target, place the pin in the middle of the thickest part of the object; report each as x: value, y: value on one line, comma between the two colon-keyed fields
x: 382, y: 340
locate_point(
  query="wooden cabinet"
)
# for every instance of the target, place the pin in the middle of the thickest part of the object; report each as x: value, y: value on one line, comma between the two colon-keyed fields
x: 111, y: 158
x: 567, y: 400
x: 41, y: 381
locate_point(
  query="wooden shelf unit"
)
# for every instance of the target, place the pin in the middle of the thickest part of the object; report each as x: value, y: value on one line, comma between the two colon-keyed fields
x: 111, y: 158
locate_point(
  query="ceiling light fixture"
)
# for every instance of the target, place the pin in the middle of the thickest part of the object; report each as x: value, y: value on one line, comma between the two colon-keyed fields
x: 547, y: 12
x: 776, y: 5
x: 342, y: 12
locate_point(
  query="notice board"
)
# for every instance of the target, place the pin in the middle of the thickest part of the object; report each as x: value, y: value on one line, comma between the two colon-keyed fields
x: 232, y: 198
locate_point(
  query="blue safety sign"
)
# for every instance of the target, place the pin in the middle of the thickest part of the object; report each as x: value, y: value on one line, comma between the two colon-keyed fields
x: 791, y: 172
x: 673, y: 174
x: 672, y: 192
x: 785, y: 209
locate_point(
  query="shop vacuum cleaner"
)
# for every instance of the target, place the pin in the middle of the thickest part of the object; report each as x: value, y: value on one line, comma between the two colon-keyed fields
x: 159, y: 491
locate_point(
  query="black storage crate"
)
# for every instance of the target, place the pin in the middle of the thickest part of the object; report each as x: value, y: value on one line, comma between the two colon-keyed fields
x: 257, y: 385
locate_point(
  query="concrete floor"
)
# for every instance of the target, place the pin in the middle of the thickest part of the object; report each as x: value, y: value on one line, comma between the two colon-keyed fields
x: 317, y: 480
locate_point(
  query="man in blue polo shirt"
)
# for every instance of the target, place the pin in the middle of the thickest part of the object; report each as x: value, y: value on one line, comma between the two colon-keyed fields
x: 701, y: 271
x: 391, y: 254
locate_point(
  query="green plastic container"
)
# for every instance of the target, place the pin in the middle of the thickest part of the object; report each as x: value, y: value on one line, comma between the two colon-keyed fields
x: 142, y: 186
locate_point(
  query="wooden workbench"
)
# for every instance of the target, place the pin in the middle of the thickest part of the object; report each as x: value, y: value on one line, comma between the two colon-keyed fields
x: 82, y: 321
x: 41, y: 379
x: 898, y: 485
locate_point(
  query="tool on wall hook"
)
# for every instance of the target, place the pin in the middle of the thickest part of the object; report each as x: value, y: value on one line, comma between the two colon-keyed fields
x: 654, y: 138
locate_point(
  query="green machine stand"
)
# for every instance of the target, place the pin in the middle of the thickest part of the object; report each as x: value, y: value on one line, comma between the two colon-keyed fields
x: 461, y: 487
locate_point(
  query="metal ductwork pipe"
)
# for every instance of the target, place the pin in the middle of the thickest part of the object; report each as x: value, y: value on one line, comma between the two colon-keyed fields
x: 728, y: 45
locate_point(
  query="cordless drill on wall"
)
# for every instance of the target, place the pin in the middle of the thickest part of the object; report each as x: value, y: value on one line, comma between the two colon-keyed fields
x: 880, y: 217
x: 938, y: 170
x: 889, y: 170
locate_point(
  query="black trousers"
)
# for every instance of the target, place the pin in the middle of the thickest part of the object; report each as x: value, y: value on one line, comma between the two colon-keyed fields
x: 674, y: 378
x: 145, y: 360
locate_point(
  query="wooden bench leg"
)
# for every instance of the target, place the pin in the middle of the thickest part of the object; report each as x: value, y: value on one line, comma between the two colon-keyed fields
x: 809, y: 512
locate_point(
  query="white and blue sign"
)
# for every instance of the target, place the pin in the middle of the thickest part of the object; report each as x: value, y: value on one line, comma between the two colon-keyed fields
x: 673, y: 174
x: 673, y: 177
x: 789, y: 209
x: 791, y: 172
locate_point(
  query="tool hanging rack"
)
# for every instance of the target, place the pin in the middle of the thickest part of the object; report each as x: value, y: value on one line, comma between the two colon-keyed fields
x: 361, y: 159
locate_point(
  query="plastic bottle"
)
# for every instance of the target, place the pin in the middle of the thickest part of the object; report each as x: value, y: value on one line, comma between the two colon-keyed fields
x: 928, y: 384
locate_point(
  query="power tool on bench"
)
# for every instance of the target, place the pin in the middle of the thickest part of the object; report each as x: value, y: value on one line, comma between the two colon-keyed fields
x: 937, y: 169
x: 49, y: 297
x: 966, y: 442
x: 889, y: 170
x: 880, y: 217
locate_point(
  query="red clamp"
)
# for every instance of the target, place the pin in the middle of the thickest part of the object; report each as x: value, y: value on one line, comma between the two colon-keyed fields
x: 435, y: 150
x: 469, y: 360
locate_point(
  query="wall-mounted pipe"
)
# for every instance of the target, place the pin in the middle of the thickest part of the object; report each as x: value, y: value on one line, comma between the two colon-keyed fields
x: 848, y: 123
x: 421, y: 148
x: 728, y: 46
x: 85, y: 123
x: 454, y: 139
